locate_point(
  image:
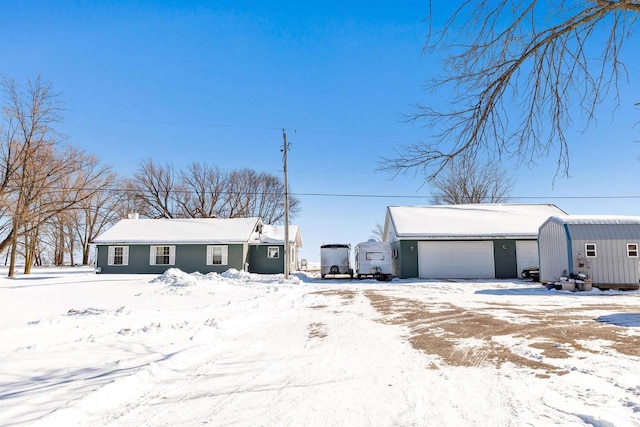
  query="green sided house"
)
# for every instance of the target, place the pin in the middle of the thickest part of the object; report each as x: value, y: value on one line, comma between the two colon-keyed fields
x: 151, y: 246
x: 266, y: 250
x: 473, y: 241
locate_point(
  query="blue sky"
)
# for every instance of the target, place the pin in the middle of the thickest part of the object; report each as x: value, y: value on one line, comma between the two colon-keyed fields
x: 216, y: 81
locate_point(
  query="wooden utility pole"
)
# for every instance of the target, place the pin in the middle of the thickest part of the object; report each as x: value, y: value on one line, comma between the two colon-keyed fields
x: 285, y: 147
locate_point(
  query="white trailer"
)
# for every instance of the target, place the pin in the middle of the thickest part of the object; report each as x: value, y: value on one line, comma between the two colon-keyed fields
x: 334, y: 260
x: 373, y: 259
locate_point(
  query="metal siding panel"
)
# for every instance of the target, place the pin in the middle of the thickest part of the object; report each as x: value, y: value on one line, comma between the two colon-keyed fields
x: 604, y: 231
x: 553, y: 248
x: 578, y: 251
x: 611, y: 265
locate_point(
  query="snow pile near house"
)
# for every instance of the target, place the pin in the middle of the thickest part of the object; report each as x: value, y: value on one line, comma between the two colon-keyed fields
x: 179, y: 282
x: 176, y: 277
x: 244, y: 278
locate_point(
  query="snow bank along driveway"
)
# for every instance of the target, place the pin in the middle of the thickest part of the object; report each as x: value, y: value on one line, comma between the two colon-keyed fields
x: 239, y: 349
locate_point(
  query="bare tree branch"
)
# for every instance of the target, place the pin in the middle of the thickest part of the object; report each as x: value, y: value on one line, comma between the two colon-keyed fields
x: 516, y: 73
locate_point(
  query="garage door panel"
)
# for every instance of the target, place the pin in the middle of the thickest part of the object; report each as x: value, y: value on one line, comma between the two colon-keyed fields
x: 527, y: 254
x: 456, y: 260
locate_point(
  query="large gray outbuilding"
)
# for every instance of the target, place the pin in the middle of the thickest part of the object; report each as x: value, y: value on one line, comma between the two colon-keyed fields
x: 604, y: 248
x: 471, y: 241
x: 204, y: 245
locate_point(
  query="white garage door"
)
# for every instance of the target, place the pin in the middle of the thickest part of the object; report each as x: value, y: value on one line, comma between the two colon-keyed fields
x: 455, y: 260
x: 526, y: 254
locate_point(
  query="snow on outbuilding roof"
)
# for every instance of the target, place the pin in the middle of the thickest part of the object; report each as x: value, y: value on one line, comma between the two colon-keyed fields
x: 180, y: 231
x: 597, y: 219
x: 275, y: 234
x: 470, y: 221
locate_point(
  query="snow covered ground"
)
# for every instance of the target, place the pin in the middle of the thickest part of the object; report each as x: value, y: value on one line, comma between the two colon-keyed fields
x: 238, y: 349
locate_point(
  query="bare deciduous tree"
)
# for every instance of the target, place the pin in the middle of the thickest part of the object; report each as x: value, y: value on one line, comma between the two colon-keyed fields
x: 203, y: 191
x: 378, y: 232
x: 41, y: 181
x: 157, y: 189
x: 101, y: 209
x: 129, y: 200
x: 517, y: 74
x: 62, y: 181
x: 267, y: 200
x: 205, y: 188
x: 28, y: 142
x: 467, y: 181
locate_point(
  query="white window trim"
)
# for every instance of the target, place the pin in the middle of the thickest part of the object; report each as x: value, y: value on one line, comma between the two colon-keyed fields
x: 629, y: 250
x: 277, y: 252
x: 595, y: 250
x: 152, y: 254
x: 225, y: 254
x: 112, y: 255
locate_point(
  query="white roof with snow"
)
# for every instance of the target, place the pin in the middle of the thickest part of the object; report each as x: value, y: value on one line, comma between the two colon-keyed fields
x: 471, y: 221
x: 275, y: 234
x: 597, y: 219
x: 180, y: 231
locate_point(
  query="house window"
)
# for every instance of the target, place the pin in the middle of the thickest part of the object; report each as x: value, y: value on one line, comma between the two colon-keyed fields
x: 162, y: 255
x: 590, y: 250
x: 118, y: 255
x: 217, y: 255
x: 394, y: 252
x: 273, y: 252
x: 632, y: 250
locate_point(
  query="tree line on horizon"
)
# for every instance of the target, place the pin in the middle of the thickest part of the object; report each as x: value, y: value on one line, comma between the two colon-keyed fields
x: 56, y: 198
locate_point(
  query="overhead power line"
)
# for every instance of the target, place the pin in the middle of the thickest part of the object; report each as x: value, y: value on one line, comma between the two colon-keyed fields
x: 246, y: 127
x: 323, y: 194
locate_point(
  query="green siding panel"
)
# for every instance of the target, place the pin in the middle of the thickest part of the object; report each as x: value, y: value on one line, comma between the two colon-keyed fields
x: 260, y: 263
x: 189, y: 258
